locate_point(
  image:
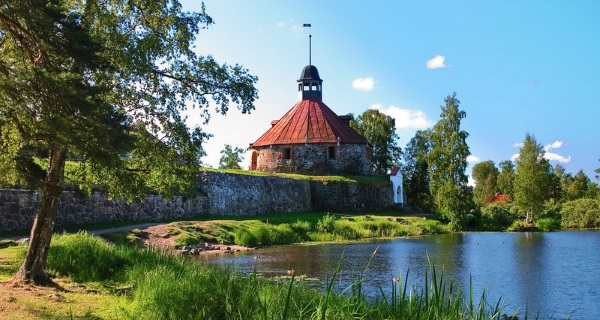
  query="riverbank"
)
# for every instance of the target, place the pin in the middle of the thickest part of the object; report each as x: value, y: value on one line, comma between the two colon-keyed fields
x: 248, y: 233
x: 101, y: 280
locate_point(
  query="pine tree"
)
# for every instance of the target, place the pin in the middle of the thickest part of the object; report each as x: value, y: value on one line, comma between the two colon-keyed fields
x: 105, y: 85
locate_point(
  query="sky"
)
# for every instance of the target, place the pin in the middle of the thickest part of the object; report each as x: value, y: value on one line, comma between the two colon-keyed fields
x: 517, y: 67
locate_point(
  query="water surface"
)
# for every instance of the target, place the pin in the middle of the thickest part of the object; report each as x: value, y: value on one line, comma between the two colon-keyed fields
x: 551, y: 275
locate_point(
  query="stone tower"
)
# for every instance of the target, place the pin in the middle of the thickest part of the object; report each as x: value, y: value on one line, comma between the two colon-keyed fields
x: 310, y: 138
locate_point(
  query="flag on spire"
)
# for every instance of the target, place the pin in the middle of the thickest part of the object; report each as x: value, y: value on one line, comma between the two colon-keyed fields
x: 306, y: 25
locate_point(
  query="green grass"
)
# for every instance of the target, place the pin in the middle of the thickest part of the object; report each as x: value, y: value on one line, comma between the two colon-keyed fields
x: 172, y: 287
x: 10, y: 260
x: 342, y: 178
x: 296, y: 228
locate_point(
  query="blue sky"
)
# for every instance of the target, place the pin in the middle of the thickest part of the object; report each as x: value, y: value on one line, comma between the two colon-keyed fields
x: 517, y: 67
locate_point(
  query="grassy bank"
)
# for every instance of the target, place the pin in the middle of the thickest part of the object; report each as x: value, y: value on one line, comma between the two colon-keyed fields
x: 290, y: 228
x: 125, y: 282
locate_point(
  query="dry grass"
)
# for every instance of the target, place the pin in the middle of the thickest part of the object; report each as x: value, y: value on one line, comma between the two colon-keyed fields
x: 22, y: 302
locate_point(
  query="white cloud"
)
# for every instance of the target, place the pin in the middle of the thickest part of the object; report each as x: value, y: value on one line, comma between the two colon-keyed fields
x: 472, y: 158
x: 364, y: 84
x: 518, y: 144
x: 281, y: 24
x: 471, y: 181
x: 437, y: 62
x: 405, y: 119
x: 554, y: 145
x: 551, y: 156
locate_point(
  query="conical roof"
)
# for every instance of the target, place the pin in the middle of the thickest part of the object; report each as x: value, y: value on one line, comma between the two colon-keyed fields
x: 309, y: 121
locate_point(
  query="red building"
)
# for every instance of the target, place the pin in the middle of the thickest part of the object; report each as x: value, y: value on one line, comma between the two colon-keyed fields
x: 310, y: 138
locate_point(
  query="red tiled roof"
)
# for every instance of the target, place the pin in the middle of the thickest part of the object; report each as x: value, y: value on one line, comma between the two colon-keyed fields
x: 394, y: 171
x: 309, y: 121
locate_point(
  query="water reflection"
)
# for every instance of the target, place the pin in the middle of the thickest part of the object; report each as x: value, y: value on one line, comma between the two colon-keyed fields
x: 549, y: 273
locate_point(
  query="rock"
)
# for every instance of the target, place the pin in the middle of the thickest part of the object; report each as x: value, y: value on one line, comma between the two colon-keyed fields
x: 56, y: 297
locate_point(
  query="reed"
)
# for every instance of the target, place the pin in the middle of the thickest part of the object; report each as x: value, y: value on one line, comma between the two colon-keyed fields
x: 175, y: 287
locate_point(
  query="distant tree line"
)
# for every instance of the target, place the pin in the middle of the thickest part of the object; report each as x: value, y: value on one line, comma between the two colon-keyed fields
x: 526, y: 193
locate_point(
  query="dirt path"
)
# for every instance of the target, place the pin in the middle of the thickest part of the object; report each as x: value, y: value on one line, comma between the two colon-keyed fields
x: 141, y: 226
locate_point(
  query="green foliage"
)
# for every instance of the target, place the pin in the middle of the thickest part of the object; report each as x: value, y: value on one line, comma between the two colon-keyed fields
x: 447, y: 162
x: 577, y: 187
x: 380, y: 131
x: 326, y: 224
x: 416, y: 171
x: 170, y: 287
x: 547, y: 224
x: 496, y: 217
x: 532, y: 181
x: 231, y: 157
x: 366, y: 179
x: 106, y: 84
x: 485, y: 175
x: 581, y: 213
x: 10, y: 258
x: 7, y: 243
x: 506, y: 177
x: 86, y: 258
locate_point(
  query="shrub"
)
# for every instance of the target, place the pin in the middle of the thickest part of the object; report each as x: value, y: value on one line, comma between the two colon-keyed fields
x: 547, y: 224
x: 7, y: 243
x: 347, y: 230
x: 496, y: 217
x: 517, y: 225
x: 326, y: 224
x: 245, y: 238
x: 282, y: 234
x: 301, y: 227
x: 581, y: 213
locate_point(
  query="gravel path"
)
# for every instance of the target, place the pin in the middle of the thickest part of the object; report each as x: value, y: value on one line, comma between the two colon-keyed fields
x: 96, y: 232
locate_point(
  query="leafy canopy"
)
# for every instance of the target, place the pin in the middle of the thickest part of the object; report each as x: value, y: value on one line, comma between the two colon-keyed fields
x: 416, y: 170
x: 533, y: 176
x: 380, y: 130
x: 231, y: 157
x: 485, y: 175
x: 108, y: 81
x: 447, y: 162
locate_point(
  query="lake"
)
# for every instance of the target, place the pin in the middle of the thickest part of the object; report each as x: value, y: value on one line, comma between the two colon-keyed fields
x: 551, y: 275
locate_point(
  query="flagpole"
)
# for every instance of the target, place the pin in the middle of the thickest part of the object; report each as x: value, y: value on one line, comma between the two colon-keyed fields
x: 308, y: 25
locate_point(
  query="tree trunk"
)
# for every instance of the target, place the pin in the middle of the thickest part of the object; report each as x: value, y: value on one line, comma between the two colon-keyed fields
x: 34, y: 267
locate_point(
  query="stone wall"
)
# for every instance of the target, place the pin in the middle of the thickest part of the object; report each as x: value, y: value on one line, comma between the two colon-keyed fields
x: 350, y: 196
x: 240, y: 194
x: 17, y: 209
x: 314, y: 159
x: 226, y: 194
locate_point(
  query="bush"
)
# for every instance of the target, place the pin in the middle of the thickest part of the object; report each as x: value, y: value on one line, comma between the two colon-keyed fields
x: 347, y: 230
x: 245, y: 238
x: 547, y: 224
x: 326, y: 224
x: 581, y: 213
x: 301, y: 227
x: 496, y: 217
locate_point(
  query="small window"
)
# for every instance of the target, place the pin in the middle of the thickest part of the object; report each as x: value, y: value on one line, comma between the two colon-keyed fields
x: 286, y: 153
x: 332, y: 152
